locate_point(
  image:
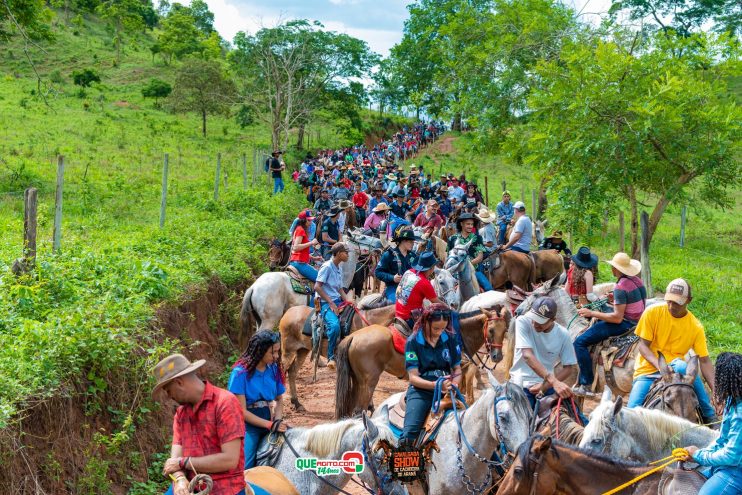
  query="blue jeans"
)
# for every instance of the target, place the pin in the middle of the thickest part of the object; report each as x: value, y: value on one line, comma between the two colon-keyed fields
x: 417, y: 409
x: 482, y: 279
x: 390, y: 293
x: 305, y: 269
x: 724, y: 481
x: 596, y: 333
x: 254, y: 434
x: 332, y: 327
x: 641, y: 385
x: 277, y: 185
x: 502, y: 227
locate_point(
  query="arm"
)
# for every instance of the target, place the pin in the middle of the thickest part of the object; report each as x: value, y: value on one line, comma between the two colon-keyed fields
x: 514, y: 237
x: 326, y: 238
x: 298, y: 245
x: 559, y: 387
x: 477, y: 259
x: 418, y: 382
x: 645, y: 351
x: 615, y: 317
x: 383, y: 270
x: 250, y: 417
x: 180, y: 484
x: 730, y: 452
x: 318, y: 288
x: 707, y: 370
x: 225, y: 460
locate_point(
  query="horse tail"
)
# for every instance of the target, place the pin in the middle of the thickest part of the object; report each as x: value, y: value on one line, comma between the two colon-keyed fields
x: 248, y: 316
x: 345, y: 388
x: 509, y: 353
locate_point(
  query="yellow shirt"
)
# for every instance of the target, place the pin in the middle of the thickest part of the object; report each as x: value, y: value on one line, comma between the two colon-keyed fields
x: 671, y: 336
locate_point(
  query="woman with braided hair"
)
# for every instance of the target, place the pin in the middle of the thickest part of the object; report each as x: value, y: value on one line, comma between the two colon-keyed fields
x: 724, y: 457
x: 257, y: 379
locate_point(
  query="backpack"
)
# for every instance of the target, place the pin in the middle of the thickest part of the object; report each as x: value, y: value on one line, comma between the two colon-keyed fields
x: 267, y: 164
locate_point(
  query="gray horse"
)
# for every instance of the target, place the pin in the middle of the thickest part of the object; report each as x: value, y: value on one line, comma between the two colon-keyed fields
x: 460, y: 267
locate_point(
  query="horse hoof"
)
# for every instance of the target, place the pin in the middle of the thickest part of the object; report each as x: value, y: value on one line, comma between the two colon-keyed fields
x: 297, y: 406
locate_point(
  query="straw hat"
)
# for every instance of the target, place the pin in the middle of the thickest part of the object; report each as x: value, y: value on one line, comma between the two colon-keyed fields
x: 484, y: 216
x: 344, y: 203
x: 625, y: 265
x: 381, y: 207
x: 172, y: 367
x: 390, y: 177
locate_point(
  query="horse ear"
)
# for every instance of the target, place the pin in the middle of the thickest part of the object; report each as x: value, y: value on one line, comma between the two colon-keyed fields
x: 542, y: 445
x: 493, y: 380
x: 384, y: 414
x: 618, y: 405
x: 691, y: 370
x: 545, y: 222
x: 664, y: 368
x: 487, y: 313
x: 607, y: 395
x: 370, y: 427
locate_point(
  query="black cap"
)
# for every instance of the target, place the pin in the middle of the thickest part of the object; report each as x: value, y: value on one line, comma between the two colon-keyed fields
x: 544, y: 309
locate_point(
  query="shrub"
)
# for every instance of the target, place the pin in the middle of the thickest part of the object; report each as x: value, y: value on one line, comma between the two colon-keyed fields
x: 156, y: 89
x: 85, y: 77
x: 56, y: 77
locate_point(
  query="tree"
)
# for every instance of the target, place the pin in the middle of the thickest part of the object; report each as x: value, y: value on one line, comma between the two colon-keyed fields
x: 201, y: 86
x: 156, y: 89
x: 179, y: 35
x: 125, y: 15
x: 85, y: 77
x: 627, y: 119
x: 685, y: 16
x: 29, y: 17
x: 203, y: 17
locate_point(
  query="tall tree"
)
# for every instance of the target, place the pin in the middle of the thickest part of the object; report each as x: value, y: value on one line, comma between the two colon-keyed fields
x: 203, y: 17
x: 29, y: 17
x: 201, y: 86
x: 125, y: 16
x: 179, y: 35
x: 685, y: 16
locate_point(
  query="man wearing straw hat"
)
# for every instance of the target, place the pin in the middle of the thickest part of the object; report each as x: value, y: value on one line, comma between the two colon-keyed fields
x: 629, y: 302
x: 487, y: 230
x: 208, y: 429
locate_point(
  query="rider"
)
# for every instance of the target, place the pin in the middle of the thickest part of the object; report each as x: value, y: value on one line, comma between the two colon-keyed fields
x: 431, y: 352
x: 504, y: 215
x: 520, y: 237
x: 540, y: 343
x: 257, y: 380
x: 446, y: 207
x: 324, y: 203
x: 329, y: 287
x: 360, y: 200
x: 555, y: 241
x: 399, y: 206
x: 581, y: 276
x: 330, y: 231
x: 487, y: 231
x: 377, y: 216
x: 430, y: 220
x: 466, y: 225
x: 724, y: 456
x: 629, y: 301
x: 300, y: 246
x: 415, y: 287
x: 672, y: 330
x: 395, y: 262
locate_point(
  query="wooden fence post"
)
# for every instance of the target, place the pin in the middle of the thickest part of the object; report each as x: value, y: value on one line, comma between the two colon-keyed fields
x: 163, y: 198
x: 646, y: 270
x: 534, y: 206
x: 504, y: 186
x: 254, y: 165
x: 217, y: 176
x: 244, y: 170
x: 683, y: 215
x: 57, y: 238
x: 621, y: 246
x: 30, y: 208
x: 486, y: 191
x: 604, y: 231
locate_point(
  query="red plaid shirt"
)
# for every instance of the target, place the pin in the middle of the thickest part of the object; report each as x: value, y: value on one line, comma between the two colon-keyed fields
x: 202, y: 430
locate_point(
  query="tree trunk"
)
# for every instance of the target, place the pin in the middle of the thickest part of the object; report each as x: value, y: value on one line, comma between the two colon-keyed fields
x: 542, y: 202
x: 661, y: 206
x: 276, y: 135
x: 457, y: 121
x: 417, y: 113
x: 634, y: 224
x: 203, y: 122
x: 300, y: 138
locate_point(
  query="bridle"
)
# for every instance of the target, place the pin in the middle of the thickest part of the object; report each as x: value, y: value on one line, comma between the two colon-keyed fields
x: 657, y: 397
x: 489, y: 345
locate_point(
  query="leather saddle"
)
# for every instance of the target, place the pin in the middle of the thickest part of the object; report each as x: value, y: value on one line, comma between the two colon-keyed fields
x: 615, y: 350
x: 402, y: 327
x: 270, y: 448
x: 516, y: 296
x: 299, y: 284
x: 346, y: 323
x: 432, y: 423
x: 680, y: 481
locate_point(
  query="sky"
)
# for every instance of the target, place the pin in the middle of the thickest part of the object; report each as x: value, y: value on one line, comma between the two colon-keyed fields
x: 378, y: 22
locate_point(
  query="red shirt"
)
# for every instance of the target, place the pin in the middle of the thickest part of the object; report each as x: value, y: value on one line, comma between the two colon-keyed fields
x: 202, y: 429
x: 360, y: 199
x: 303, y: 255
x: 433, y: 222
x: 412, y: 290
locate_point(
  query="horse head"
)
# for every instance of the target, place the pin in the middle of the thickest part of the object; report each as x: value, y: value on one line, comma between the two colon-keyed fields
x: 377, y: 439
x: 539, y: 227
x: 532, y: 470
x: 675, y: 393
x: 604, y: 431
x: 447, y: 288
x: 276, y: 251
x: 513, y: 413
x: 498, y: 322
x: 456, y: 257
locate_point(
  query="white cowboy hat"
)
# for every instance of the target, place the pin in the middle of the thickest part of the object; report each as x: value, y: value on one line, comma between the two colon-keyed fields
x: 381, y: 207
x: 484, y: 216
x: 625, y: 265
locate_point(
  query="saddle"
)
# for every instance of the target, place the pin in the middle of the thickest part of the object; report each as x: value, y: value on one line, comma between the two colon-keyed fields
x: 270, y: 447
x: 400, y: 332
x: 313, y: 321
x: 515, y: 297
x: 680, y: 481
x: 432, y: 423
x: 614, y: 351
x: 299, y: 284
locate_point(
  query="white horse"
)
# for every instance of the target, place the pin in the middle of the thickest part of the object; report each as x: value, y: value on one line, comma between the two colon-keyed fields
x: 445, y: 285
x: 460, y: 267
x: 266, y: 300
x: 501, y: 415
x: 640, y: 434
x: 331, y: 441
x: 485, y: 300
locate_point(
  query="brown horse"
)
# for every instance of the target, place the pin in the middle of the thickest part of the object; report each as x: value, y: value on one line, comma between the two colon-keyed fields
x: 518, y: 268
x: 546, y: 466
x: 365, y: 355
x: 269, y: 479
x: 296, y: 346
x: 278, y: 253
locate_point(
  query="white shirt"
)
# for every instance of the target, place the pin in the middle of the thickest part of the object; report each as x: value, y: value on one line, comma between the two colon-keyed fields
x: 548, y: 347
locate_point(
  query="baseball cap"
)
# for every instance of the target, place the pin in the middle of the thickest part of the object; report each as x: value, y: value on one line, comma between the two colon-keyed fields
x: 678, y: 291
x: 543, y: 310
x: 519, y: 205
x: 306, y: 215
x: 338, y: 247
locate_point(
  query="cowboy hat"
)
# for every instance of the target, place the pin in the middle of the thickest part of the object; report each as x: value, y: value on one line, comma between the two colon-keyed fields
x: 426, y: 261
x: 484, y: 216
x: 381, y: 207
x: 172, y: 367
x: 557, y: 234
x: 404, y: 234
x: 334, y: 211
x: 344, y: 203
x: 390, y: 177
x: 584, y: 258
x: 625, y: 265
x: 466, y: 216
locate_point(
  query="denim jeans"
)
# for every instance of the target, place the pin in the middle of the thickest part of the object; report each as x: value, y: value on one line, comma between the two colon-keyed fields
x: 482, y: 279
x: 502, y: 227
x: 254, y: 434
x: 596, y: 333
x: 332, y: 328
x: 277, y: 185
x: 418, y: 406
x: 305, y: 269
x: 641, y: 385
x: 724, y: 481
x: 390, y: 293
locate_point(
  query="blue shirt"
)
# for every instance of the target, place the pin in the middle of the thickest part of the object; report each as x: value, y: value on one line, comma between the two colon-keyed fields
x: 505, y: 212
x: 331, y: 277
x: 432, y: 362
x: 726, y: 451
x: 456, y: 192
x: 260, y: 385
x: 332, y: 230
x: 374, y: 202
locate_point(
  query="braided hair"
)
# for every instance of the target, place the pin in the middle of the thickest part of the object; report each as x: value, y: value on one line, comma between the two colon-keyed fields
x: 431, y: 313
x: 259, y: 344
x: 728, y: 379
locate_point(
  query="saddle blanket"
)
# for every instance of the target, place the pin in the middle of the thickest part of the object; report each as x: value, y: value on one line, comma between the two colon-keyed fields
x: 398, y: 339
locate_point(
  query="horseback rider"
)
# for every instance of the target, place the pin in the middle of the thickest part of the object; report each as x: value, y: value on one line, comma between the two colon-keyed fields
x: 430, y: 220
x: 209, y: 422
x: 540, y: 343
x: 300, y: 247
x: 724, y: 456
x: 360, y: 201
x: 415, y: 287
x: 324, y: 203
x: 377, y: 199
x: 395, y: 262
x: 555, y: 241
x: 581, y: 276
x: 399, y: 206
x: 330, y: 231
x: 446, y: 207
x: 505, y: 213
x: 431, y: 352
x: 629, y: 302
x: 329, y: 287
x: 487, y: 230
x: 377, y: 216
x: 257, y: 380
x: 672, y: 330
x: 466, y: 225
x: 520, y: 237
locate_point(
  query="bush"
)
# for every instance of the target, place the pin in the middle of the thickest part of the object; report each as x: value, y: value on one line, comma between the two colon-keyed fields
x: 85, y: 77
x: 56, y: 77
x: 156, y: 89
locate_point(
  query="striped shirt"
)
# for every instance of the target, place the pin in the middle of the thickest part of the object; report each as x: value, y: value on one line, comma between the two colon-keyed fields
x: 631, y: 292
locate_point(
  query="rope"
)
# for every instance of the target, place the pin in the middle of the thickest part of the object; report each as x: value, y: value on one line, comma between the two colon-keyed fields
x: 358, y: 312
x: 592, y: 305
x: 677, y: 455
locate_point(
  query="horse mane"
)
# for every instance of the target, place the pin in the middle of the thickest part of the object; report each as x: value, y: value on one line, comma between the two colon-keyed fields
x: 520, y: 403
x: 324, y: 440
x: 660, y: 426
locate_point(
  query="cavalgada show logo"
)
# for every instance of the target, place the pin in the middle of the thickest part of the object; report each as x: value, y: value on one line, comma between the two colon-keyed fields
x: 350, y: 463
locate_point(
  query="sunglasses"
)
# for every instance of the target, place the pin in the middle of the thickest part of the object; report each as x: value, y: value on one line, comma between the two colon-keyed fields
x: 440, y: 315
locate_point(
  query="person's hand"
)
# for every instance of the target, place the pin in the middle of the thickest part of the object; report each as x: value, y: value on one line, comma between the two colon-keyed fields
x: 692, y: 449
x: 315, y: 242
x: 446, y: 385
x: 563, y: 390
x: 282, y: 427
x: 535, y: 389
x: 334, y: 308
x: 180, y: 487
x: 585, y: 313
x: 397, y: 278
x: 171, y: 466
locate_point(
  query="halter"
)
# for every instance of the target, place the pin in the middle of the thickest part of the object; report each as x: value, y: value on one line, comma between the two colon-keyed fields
x: 487, y: 343
x: 658, y: 396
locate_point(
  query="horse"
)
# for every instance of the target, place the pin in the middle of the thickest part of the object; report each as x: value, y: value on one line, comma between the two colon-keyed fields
x: 278, y: 253
x: 270, y: 480
x: 497, y: 422
x: 295, y: 346
x: 562, y: 423
x: 640, y: 434
x: 363, y: 356
x: 266, y: 300
x: 674, y: 393
x: 543, y: 465
x: 331, y: 441
x: 459, y: 265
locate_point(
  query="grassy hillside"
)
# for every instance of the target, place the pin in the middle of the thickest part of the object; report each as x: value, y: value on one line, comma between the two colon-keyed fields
x: 711, y: 259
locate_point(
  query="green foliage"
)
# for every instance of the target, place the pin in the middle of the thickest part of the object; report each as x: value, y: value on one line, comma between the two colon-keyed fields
x: 156, y: 89
x: 31, y: 16
x: 684, y: 16
x: 179, y: 36
x: 85, y: 77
